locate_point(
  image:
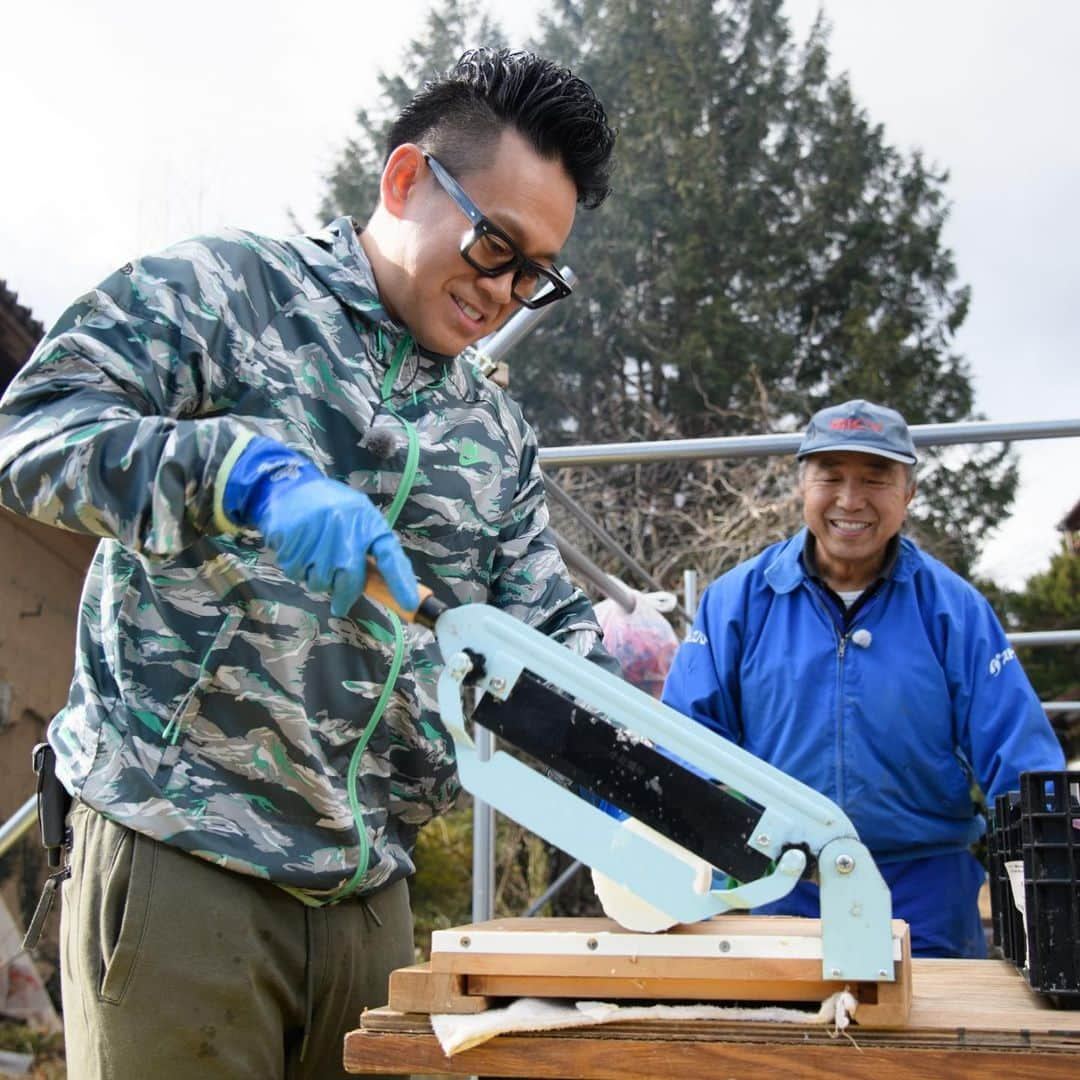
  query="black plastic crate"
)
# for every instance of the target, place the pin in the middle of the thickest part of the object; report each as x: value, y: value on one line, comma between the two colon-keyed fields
x: 1004, y: 845
x: 1050, y: 841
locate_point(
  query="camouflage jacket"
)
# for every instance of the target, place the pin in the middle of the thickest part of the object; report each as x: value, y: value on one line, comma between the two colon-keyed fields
x: 216, y: 705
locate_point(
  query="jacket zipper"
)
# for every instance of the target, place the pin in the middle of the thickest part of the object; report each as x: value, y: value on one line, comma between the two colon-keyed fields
x: 842, y: 639
x: 841, y: 647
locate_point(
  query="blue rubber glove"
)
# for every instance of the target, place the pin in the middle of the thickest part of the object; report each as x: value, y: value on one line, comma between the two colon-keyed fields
x: 320, y: 530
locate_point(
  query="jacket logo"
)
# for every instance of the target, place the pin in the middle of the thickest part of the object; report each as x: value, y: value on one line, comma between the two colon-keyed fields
x: 1001, y: 660
x: 468, y: 453
x: 696, y: 637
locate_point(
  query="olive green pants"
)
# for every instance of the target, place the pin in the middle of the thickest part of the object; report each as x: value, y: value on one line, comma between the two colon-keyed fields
x: 174, y: 969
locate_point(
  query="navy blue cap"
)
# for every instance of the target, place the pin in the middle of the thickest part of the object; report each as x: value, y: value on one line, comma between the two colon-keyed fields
x: 862, y: 426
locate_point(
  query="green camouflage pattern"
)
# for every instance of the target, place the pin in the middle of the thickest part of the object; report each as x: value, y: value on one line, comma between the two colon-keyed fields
x: 216, y: 705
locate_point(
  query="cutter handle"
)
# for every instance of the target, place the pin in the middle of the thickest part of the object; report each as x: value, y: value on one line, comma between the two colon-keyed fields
x: 430, y: 606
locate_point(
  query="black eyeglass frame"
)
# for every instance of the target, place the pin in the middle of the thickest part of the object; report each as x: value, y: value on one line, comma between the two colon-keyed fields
x: 483, y: 225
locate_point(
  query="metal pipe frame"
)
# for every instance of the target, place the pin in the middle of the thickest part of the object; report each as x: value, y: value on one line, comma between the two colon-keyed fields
x: 576, y: 511
x: 587, y: 569
x: 1044, y: 637
x: 737, y: 446
x: 483, y: 868
x: 18, y: 825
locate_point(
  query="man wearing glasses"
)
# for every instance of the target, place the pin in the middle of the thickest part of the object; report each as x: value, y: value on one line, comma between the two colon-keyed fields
x: 252, y: 743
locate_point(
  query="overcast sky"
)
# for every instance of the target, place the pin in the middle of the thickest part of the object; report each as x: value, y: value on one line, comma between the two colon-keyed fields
x: 128, y: 126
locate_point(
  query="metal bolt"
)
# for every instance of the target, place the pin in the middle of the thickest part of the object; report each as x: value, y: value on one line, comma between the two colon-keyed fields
x: 762, y: 841
x: 591, y: 943
x: 459, y: 666
x: 882, y: 973
x: 465, y: 942
x: 725, y: 946
x: 498, y: 684
x: 844, y: 864
x: 836, y: 973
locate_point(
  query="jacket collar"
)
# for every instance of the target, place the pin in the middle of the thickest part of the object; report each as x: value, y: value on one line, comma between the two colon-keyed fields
x: 336, y: 259
x: 786, y: 571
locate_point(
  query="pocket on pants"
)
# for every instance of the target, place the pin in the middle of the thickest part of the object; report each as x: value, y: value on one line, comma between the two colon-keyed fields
x: 125, y: 910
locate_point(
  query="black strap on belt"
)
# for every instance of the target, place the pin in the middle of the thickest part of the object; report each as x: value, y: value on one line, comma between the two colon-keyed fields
x: 53, y: 804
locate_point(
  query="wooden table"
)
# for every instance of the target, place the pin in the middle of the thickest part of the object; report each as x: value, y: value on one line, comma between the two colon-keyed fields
x: 969, y: 1018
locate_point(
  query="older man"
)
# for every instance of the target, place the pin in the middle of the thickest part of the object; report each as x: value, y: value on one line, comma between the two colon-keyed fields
x: 871, y: 672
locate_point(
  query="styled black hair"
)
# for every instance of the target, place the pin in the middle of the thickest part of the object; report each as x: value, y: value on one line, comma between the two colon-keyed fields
x: 460, y: 116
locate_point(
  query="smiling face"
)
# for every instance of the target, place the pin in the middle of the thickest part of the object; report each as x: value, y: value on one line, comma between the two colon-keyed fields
x: 854, y: 504
x: 414, y: 239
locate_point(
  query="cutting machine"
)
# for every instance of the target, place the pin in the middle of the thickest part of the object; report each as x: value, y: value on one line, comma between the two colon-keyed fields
x: 596, y: 738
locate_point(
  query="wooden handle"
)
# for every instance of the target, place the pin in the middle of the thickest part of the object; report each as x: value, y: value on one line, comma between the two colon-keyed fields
x: 376, y: 588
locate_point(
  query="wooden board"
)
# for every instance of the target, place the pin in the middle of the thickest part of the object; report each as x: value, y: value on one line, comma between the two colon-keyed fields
x: 969, y: 1018
x: 577, y: 1056
x: 729, y: 958
x: 752, y: 938
x: 421, y: 990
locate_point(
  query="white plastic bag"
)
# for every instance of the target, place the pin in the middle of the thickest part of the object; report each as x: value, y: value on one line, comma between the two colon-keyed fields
x: 642, y: 640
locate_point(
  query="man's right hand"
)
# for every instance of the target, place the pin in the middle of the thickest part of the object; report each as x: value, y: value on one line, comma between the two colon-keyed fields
x: 320, y: 530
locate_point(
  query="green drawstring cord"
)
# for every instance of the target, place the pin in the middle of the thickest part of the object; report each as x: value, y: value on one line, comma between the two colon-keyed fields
x: 354, y: 763
x: 408, y: 474
x: 412, y: 457
x: 392, y: 372
x: 407, y: 477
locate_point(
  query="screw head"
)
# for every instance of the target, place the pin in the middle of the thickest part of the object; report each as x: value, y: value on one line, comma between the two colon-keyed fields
x: 725, y: 946
x: 592, y: 943
x: 459, y: 666
x: 835, y: 973
x: 464, y: 942
x: 497, y: 684
x: 762, y: 840
x: 844, y: 864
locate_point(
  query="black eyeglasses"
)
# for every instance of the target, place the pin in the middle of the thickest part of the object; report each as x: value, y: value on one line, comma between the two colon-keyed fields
x: 489, y: 251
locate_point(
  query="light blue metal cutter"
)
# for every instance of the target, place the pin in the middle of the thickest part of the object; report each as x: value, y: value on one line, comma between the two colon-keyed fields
x: 856, y: 907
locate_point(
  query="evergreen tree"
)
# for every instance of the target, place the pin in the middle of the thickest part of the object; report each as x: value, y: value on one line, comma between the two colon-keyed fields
x: 765, y: 252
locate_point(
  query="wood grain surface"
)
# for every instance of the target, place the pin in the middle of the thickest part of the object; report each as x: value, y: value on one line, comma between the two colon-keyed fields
x: 969, y: 1018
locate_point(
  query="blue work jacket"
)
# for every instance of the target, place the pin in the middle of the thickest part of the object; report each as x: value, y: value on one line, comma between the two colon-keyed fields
x: 892, y: 717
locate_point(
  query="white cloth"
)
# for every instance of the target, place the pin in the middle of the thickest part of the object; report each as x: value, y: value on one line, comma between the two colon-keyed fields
x: 457, y: 1033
